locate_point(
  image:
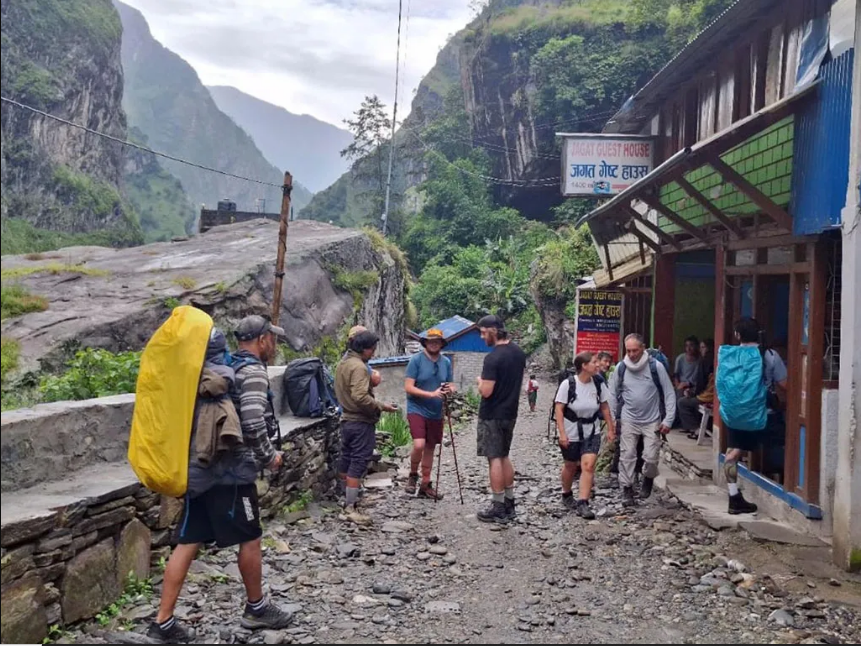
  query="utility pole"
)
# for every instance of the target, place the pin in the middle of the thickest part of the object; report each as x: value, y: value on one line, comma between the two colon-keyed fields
x: 286, y: 190
x: 385, y: 217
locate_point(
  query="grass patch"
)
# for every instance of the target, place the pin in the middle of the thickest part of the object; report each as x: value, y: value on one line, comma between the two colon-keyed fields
x: 93, y: 373
x: 135, y: 590
x: 17, y: 301
x: 398, y: 430
x: 171, y: 303
x: 10, y: 350
x: 301, y: 503
x: 186, y: 282
x: 355, y: 282
x: 53, y: 268
x: 221, y: 287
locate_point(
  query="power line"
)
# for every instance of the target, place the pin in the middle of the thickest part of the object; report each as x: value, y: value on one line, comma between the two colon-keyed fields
x: 385, y: 217
x: 131, y: 144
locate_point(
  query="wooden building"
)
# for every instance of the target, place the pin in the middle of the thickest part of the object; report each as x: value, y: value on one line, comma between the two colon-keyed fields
x: 742, y: 214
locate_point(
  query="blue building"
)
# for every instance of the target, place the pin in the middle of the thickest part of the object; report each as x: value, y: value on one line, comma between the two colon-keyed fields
x: 461, y: 334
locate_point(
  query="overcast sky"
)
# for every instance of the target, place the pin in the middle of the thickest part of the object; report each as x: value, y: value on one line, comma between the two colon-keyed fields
x: 318, y: 57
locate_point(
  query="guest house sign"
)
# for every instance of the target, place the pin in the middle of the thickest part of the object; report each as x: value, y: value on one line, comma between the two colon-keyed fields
x: 598, y: 165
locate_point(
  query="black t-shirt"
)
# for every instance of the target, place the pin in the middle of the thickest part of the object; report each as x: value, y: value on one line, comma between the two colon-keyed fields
x: 505, y: 365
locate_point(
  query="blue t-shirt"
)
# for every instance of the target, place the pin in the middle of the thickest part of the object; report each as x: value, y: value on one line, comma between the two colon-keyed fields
x: 429, y: 376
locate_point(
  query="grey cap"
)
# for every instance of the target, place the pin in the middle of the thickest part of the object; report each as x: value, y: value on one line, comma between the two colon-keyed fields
x: 254, y: 326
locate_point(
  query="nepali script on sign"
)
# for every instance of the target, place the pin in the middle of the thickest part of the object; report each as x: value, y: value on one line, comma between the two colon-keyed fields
x: 599, y: 321
x: 604, y: 165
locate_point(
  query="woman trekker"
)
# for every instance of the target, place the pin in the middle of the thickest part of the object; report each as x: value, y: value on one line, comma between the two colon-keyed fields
x: 580, y: 403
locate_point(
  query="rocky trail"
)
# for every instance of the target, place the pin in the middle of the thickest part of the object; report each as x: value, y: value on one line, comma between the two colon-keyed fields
x: 429, y: 572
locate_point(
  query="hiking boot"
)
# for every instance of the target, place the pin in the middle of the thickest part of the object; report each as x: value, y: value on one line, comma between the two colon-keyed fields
x: 646, y: 488
x: 176, y: 634
x: 628, y: 497
x: 496, y: 513
x: 271, y: 617
x: 427, y: 491
x: 510, y: 508
x: 569, y: 502
x: 412, y: 484
x: 355, y: 516
x: 584, y: 511
x: 738, y: 505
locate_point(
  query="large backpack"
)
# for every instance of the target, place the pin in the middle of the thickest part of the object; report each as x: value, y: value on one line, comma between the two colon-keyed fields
x: 309, y: 389
x: 165, y: 398
x: 657, y: 355
x: 740, y: 387
x: 622, y: 368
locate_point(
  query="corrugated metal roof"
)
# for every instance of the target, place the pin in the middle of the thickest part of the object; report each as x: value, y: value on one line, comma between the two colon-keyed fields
x: 450, y: 327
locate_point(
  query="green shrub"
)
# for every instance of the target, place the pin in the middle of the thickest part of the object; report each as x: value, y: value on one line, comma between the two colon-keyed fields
x: 186, y: 282
x: 355, y: 282
x: 17, y: 301
x: 398, y: 430
x: 11, y: 351
x: 93, y: 373
x: 171, y: 302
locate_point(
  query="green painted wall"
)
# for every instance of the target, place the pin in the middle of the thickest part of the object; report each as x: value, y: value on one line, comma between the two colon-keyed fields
x: 765, y: 160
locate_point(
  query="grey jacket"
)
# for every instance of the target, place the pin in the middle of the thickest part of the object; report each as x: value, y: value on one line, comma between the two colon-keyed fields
x: 639, y: 397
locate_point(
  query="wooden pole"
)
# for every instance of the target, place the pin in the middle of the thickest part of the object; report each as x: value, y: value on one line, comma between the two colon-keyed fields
x: 286, y: 189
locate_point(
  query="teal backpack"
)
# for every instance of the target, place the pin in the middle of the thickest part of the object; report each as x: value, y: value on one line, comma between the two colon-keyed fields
x: 741, y: 388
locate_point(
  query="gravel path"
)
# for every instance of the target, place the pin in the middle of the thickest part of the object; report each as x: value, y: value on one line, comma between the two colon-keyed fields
x: 431, y: 573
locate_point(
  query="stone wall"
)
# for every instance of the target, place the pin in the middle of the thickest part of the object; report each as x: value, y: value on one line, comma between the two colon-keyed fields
x: 68, y: 545
x: 467, y: 368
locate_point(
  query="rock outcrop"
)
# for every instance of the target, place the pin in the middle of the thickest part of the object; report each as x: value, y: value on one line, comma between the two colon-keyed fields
x: 64, y: 61
x: 116, y: 298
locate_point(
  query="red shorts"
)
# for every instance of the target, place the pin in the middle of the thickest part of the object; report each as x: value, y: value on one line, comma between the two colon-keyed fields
x: 422, y: 428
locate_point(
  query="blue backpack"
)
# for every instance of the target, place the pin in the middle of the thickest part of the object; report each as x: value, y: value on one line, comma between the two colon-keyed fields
x: 741, y: 389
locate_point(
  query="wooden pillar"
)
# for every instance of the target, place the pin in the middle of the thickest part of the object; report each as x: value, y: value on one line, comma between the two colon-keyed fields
x: 664, y: 303
x: 815, y: 352
x: 721, y: 302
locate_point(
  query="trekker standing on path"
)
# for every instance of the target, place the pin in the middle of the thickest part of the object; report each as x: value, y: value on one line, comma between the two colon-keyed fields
x: 359, y: 417
x: 532, y: 392
x: 428, y: 382
x: 746, y: 381
x: 645, y: 406
x: 499, y: 388
x: 222, y: 504
x: 580, y: 402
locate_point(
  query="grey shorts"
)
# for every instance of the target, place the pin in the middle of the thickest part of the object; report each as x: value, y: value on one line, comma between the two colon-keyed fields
x: 494, y: 437
x: 358, y: 440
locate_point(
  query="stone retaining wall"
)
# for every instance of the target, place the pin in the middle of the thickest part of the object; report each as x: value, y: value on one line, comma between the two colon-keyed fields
x: 681, y: 465
x: 68, y: 546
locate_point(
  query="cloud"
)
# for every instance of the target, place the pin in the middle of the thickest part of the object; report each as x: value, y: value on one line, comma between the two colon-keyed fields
x: 319, y: 57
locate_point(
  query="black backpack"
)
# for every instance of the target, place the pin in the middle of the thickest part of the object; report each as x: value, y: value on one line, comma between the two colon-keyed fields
x: 622, y: 368
x: 309, y: 389
x: 599, y: 382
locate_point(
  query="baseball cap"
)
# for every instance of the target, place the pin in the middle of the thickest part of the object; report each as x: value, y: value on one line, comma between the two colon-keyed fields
x: 356, y: 329
x: 491, y: 321
x: 255, y: 326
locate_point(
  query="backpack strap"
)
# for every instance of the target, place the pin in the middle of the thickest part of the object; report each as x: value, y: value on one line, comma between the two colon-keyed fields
x: 571, y: 416
x: 662, y: 404
x: 621, y: 369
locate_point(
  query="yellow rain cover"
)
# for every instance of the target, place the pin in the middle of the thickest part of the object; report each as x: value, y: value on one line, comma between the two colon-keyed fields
x: 164, y: 402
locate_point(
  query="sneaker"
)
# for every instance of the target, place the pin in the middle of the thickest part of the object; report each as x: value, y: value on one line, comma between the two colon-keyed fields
x: 628, y: 497
x: 584, y: 511
x: 646, y: 488
x: 271, y: 617
x: 427, y: 491
x: 496, y: 513
x: 738, y: 505
x: 176, y: 634
x: 412, y: 484
x: 569, y: 502
x: 510, y: 508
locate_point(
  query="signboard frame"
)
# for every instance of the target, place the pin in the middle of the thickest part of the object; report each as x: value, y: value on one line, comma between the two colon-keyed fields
x: 614, y: 339
x: 627, y: 173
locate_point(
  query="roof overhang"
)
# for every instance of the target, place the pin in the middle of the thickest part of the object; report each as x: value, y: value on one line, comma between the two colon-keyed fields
x: 625, y: 227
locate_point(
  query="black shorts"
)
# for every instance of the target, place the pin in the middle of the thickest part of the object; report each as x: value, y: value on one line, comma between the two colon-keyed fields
x: 226, y: 514
x: 576, y: 450
x: 744, y: 440
x: 494, y: 437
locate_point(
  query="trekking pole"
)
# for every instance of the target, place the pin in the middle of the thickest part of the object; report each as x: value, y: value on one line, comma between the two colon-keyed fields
x: 438, y: 470
x: 453, y: 451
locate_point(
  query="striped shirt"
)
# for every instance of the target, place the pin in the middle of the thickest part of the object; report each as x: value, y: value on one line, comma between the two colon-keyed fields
x: 255, y: 412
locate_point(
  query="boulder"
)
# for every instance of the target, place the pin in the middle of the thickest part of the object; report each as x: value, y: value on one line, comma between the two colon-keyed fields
x: 133, y: 552
x: 28, y: 529
x: 169, y: 510
x: 91, y: 582
x: 24, y: 620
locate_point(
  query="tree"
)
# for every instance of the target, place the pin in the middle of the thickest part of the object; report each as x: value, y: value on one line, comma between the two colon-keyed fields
x: 372, y: 129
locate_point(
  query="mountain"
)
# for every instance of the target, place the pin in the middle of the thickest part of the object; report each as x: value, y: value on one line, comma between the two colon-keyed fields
x: 165, y: 99
x: 307, y: 147
x: 59, y: 183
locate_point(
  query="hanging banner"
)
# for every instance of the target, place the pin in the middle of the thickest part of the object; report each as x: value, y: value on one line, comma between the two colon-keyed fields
x: 599, y: 165
x: 599, y: 321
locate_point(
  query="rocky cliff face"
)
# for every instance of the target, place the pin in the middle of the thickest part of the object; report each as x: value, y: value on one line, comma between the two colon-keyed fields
x: 115, y: 299
x: 63, y: 58
x: 166, y: 100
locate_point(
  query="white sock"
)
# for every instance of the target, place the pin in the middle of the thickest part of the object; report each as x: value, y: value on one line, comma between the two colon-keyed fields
x: 733, y: 488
